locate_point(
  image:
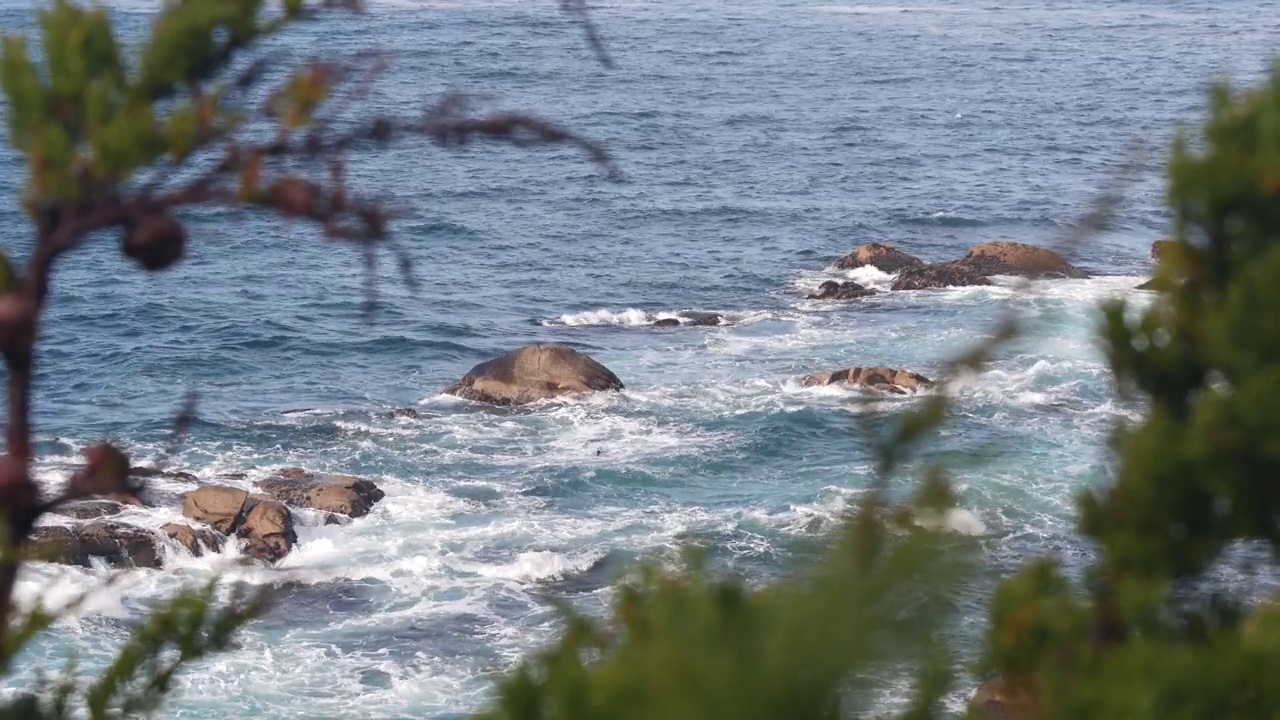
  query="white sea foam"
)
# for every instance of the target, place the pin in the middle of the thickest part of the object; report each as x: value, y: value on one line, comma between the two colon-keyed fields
x: 957, y: 520
x: 632, y: 317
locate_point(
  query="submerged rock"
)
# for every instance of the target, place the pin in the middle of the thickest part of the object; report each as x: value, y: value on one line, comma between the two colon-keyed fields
x: 881, y: 256
x: 534, y: 372
x: 340, y: 494
x: 409, y: 413
x: 118, y: 544
x: 147, y: 473
x: 879, y: 378
x: 691, y: 319
x: 939, y: 275
x: 195, y: 540
x: 1013, y: 258
x: 265, y: 525
x: 848, y: 290
x: 704, y: 319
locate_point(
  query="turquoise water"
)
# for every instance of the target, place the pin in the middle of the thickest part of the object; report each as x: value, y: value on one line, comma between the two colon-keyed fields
x: 759, y: 141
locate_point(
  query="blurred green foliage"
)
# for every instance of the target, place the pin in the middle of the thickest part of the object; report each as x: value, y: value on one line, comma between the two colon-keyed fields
x: 88, y: 115
x: 1151, y: 634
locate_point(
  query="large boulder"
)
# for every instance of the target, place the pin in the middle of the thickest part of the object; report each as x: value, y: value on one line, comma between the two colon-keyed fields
x: 1000, y: 700
x: 832, y: 290
x: 341, y: 494
x: 885, y: 379
x: 885, y: 258
x: 939, y: 275
x: 195, y: 540
x: 265, y: 525
x: 118, y: 544
x: 1012, y: 258
x: 1161, y: 248
x: 534, y: 372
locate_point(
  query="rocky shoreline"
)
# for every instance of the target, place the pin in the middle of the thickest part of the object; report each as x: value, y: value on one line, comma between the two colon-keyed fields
x: 261, y: 522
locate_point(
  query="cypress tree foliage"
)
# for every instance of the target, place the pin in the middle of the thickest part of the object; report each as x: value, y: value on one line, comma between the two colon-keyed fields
x: 118, y: 140
x: 1148, y: 637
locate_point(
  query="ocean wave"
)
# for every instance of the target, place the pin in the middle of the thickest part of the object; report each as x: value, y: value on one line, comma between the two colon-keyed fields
x: 632, y: 317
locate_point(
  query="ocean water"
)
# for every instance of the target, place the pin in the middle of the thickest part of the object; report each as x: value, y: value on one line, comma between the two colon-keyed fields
x: 758, y: 141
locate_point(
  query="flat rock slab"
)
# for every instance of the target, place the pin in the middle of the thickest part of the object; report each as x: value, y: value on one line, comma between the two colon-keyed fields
x: 89, y: 509
x: 339, y: 494
x: 120, y: 545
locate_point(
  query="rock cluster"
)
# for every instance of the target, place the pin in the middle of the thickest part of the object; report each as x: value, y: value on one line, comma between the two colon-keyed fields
x: 976, y: 268
x: 262, y: 523
x: 892, y: 380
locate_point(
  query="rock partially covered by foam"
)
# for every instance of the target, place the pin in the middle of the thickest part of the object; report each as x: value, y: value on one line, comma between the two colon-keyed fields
x: 195, y: 540
x: 885, y: 379
x: 939, y: 275
x: 1013, y: 258
x: 534, y: 372
x: 264, y: 525
x: 983, y: 261
x: 885, y: 258
x: 692, y: 319
x: 117, y: 544
x: 848, y: 290
x: 341, y: 494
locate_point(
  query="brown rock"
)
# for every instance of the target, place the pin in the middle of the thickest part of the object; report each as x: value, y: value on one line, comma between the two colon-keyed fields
x: 880, y: 378
x: 217, y: 506
x: 883, y: 257
x: 1148, y: 285
x: 1160, y: 249
x: 666, y: 322
x: 118, y: 544
x: 832, y: 290
x: 264, y: 524
x: 267, y: 530
x: 340, y: 494
x: 534, y: 372
x: 1012, y: 258
x: 195, y: 540
x: 939, y: 275
x: 999, y: 700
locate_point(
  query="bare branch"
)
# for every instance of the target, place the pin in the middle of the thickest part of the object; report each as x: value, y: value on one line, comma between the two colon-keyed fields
x: 578, y: 10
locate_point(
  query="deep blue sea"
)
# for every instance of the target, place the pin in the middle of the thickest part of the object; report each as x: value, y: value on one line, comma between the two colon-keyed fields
x: 758, y: 141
